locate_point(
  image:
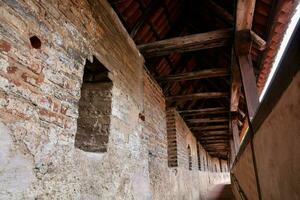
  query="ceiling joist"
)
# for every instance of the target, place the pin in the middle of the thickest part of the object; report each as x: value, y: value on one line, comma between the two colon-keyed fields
x: 208, y: 120
x: 206, y: 128
x: 188, y: 43
x: 195, y: 96
x: 206, y: 73
x: 216, y: 110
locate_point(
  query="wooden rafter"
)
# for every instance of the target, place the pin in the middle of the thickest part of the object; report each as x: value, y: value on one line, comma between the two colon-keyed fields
x: 205, y: 95
x: 203, y: 111
x: 207, y: 73
x: 244, y: 14
x: 235, y: 85
x: 213, y: 133
x: 187, y: 43
x: 208, y: 120
x: 212, y: 127
x: 258, y: 42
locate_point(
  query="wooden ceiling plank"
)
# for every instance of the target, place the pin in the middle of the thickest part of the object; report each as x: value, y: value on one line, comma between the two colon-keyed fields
x: 188, y: 43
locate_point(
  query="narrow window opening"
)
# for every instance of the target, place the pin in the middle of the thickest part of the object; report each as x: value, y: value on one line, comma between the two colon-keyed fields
x: 198, y: 157
x: 35, y: 42
x: 94, y: 108
x: 190, y: 158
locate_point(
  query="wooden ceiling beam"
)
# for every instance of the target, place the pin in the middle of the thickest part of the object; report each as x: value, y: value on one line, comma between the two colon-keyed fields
x: 218, y: 141
x: 242, y: 50
x: 197, y: 115
x: 188, y: 43
x: 216, y: 110
x: 258, y: 42
x: 236, y: 85
x: 244, y: 14
x: 212, y: 127
x: 213, y: 132
x: 206, y: 73
x: 213, y: 137
x: 204, y: 95
x: 207, y: 120
x: 215, y: 147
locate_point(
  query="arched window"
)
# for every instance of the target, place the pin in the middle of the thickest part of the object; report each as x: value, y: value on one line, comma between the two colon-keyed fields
x: 190, y: 158
x: 94, y: 108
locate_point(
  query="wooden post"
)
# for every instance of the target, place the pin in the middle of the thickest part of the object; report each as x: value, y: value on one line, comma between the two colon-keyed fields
x: 235, y: 133
x: 242, y: 51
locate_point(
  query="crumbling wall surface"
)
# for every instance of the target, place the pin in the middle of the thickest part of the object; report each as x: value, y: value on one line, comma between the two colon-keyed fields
x: 39, y: 94
x: 173, y: 182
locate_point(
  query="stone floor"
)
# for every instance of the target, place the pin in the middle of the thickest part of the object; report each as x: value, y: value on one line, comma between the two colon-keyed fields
x: 221, y: 192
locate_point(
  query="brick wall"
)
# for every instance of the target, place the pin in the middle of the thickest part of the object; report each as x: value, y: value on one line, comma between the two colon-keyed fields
x: 39, y: 94
x: 94, y: 117
x: 40, y: 91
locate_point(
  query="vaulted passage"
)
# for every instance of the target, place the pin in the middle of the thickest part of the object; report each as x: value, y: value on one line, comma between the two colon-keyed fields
x: 149, y: 99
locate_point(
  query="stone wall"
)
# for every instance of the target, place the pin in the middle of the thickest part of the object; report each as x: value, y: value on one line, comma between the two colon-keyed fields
x: 40, y: 88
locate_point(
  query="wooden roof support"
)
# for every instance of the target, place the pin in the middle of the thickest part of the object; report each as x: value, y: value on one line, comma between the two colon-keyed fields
x: 259, y: 43
x: 205, y: 95
x: 188, y: 43
x: 242, y: 49
x: 207, y: 120
x: 244, y: 14
x: 214, y: 137
x: 209, y: 142
x: 235, y: 85
x: 206, y: 128
x: 206, y: 73
x: 216, y: 110
x: 235, y: 133
x: 213, y: 133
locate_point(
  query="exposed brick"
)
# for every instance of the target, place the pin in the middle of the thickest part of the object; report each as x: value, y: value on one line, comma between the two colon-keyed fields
x: 39, y: 100
x: 4, y: 46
